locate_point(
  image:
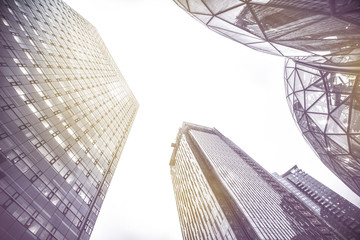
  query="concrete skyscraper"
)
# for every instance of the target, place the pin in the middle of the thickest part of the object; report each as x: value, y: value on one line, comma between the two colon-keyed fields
x: 222, y: 193
x: 330, y: 206
x: 65, y: 113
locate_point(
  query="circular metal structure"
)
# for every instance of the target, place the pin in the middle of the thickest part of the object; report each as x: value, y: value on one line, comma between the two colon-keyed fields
x: 320, y: 31
x: 325, y: 103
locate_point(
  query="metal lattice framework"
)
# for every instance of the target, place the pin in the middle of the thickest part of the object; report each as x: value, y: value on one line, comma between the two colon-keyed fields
x: 295, y: 29
x: 326, y: 106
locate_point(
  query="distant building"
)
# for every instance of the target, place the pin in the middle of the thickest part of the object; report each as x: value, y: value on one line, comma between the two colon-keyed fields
x: 65, y: 114
x: 334, y: 209
x: 222, y: 193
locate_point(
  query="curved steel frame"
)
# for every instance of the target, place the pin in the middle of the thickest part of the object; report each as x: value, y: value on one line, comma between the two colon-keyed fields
x: 325, y: 103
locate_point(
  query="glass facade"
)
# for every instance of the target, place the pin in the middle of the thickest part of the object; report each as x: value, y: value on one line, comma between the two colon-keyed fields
x: 325, y: 104
x: 254, y: 203
x: 334, y: 209
x: 296, y: 29
x: 66, y: 112
x: 188, y: 180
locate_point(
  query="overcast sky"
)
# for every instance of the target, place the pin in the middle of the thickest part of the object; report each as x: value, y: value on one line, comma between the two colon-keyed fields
x: 181, y: 71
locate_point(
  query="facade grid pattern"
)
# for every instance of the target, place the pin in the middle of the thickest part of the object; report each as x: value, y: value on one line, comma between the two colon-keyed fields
x: 334, y: 209
x: 243, y: 180
x: 254, y: 203
x: 199, y: 211
x: 66, y: 112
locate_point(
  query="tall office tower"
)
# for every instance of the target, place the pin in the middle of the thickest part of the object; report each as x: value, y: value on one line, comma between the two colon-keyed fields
x: 325, y: 103
x: 66, y: 112
x: 295, y: 29
x: 334, y: 209
x: 222, y: 193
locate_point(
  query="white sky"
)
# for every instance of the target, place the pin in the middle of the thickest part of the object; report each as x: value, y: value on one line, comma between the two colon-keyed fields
x: 181, y: 71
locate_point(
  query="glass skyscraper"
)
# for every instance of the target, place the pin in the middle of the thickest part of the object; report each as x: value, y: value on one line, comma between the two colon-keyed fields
x: 222, y: 193
x: 66, y: 112
x: 334, y: 209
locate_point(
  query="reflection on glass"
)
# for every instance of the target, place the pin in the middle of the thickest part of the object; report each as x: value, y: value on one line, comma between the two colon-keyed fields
x: 213, y: 179
x: 66, y: 112
x: 295, y: 29
x: 334, y: 209
x: 325, y: 105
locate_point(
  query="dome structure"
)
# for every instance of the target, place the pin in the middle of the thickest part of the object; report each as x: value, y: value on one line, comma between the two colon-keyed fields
x: 325, y: 103
x: 297, y: 29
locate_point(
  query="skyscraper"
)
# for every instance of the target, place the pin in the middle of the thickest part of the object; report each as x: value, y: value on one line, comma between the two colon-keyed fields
x: 334, y: 209
x: 222, y: 193
x: 66, y: 112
